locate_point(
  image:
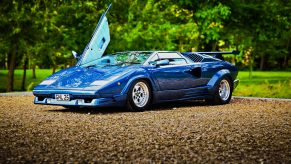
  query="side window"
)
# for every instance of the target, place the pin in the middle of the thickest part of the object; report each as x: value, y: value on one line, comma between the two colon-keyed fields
x: 155, y: 58
x: 174, y: 58
x: 152, y: 60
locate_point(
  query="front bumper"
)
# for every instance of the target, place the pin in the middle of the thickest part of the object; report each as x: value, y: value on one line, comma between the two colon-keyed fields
x: 85, y: 99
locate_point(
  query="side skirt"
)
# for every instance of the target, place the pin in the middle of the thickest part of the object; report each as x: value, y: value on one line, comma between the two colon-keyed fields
x: 203, y: 92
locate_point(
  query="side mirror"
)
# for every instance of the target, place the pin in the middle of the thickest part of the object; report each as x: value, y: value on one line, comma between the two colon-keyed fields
x: 163, y: 62
x: 105, y: 61
x: 75, y: 54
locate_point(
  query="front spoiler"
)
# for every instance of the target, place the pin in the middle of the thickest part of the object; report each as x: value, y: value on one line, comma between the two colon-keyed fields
x: 77, y: 102
x: 118, y: 100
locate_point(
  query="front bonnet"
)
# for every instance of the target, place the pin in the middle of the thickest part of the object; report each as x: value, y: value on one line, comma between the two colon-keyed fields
x: 82, y: 78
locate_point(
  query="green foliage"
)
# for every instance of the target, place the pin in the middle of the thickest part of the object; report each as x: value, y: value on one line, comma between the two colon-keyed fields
x: 46, y: 32
x: 30, y: 82
x: 263, y: 27
x: 153, y: 26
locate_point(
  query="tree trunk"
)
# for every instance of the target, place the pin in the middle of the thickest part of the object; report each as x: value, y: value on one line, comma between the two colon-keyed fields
x: 285, y: 62
x: 234, y: 56
x: 24, y: 74
x: 251, y: 70
x: 6, y: 63
x: 11, y: 66
x: 214, y: 46
x: 54, y: 69
x: 251, y: 67
x: 33, y: 72
x: 262, y: 62
x: 286, y: 57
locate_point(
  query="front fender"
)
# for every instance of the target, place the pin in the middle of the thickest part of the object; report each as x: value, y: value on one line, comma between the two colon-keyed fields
x: 214, y: 81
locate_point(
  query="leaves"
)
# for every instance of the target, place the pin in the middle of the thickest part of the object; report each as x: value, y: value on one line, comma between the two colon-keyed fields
x: 51, y: 29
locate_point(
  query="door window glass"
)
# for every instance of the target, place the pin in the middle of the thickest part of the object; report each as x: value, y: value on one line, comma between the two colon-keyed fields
x: 174, y: 58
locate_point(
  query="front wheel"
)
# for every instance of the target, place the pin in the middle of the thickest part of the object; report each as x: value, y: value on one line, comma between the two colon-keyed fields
x: 222, y: 92
x: 139, y: 96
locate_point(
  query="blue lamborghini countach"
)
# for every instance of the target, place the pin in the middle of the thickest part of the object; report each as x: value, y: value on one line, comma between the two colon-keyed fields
x: 137, y: 79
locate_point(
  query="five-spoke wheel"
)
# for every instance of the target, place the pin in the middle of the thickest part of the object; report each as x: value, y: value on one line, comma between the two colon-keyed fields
x: 222, y: 92
x: 139, y: 96
x: 224, y: 89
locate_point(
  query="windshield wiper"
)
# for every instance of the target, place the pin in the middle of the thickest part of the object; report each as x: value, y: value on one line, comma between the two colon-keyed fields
x: 105, y: 65
x: 100, y: 65
x: 127, y: 63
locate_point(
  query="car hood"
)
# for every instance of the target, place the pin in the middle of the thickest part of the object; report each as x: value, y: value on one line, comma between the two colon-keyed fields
x: 81, y: 78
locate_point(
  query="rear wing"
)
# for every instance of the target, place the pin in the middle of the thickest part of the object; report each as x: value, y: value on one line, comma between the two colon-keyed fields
x: 218, y: 54
x: 225, y: 52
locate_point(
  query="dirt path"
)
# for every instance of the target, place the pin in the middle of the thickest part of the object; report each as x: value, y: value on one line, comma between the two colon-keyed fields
x: 249, y: 131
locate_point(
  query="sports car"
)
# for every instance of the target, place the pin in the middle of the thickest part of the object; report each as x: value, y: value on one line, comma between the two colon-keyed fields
x: 137, y: 79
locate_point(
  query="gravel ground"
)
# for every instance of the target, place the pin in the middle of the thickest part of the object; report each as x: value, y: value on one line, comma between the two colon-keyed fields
x: 244, y: 131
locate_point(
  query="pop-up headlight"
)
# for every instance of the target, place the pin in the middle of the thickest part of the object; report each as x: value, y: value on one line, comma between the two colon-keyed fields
x: 47, y: 82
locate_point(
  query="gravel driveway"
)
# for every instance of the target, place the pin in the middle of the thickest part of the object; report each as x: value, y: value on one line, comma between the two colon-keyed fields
x: 247, y: 131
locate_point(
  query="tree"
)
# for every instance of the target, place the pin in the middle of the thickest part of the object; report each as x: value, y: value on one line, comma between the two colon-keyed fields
x: 12, y: 26
x: 42, y: 33
x: 263, y: 26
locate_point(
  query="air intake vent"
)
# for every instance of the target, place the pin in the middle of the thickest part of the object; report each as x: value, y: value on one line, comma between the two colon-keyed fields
x: 195, y: 57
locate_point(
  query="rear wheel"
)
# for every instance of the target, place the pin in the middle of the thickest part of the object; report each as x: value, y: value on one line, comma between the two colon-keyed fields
x: 222, y: 92
x: 139, y: 96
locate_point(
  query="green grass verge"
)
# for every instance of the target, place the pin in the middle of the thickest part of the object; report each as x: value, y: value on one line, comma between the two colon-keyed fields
x: 41, y: 74
x: 263, y: 84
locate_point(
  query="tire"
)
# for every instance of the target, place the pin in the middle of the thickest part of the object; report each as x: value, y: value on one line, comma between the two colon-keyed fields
x: 222, y: 92
x: 139, y: 96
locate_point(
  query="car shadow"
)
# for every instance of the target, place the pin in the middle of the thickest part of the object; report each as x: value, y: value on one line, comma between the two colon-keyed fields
x: 176, y: 104
x: 114, y: 110
x: 84, y: 110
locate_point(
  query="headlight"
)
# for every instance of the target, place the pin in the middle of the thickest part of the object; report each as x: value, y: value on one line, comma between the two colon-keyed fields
x: 104, y: 82
x: 100, y: 82
x: 47, y: 82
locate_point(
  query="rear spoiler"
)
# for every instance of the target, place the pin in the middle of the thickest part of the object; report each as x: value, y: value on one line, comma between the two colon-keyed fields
x: 222, y: 53
x: 218, y: 55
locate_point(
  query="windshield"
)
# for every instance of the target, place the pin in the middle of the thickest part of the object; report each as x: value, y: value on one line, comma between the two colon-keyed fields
x: 123, y: 59
x: 131, y: 57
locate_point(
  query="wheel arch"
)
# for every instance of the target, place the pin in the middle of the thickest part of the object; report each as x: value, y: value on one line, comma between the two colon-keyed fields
x: 130, y: 103
x: 129, y: 83
x: 218, y: 76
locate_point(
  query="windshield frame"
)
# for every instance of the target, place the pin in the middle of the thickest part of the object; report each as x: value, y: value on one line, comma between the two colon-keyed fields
x: 109, y: 59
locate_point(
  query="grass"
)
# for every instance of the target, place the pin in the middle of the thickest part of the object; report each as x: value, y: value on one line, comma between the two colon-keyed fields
x: 263, y: 84
x: 41, y: 74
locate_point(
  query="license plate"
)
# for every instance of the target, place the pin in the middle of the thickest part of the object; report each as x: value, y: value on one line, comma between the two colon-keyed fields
x: 62, y: 97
